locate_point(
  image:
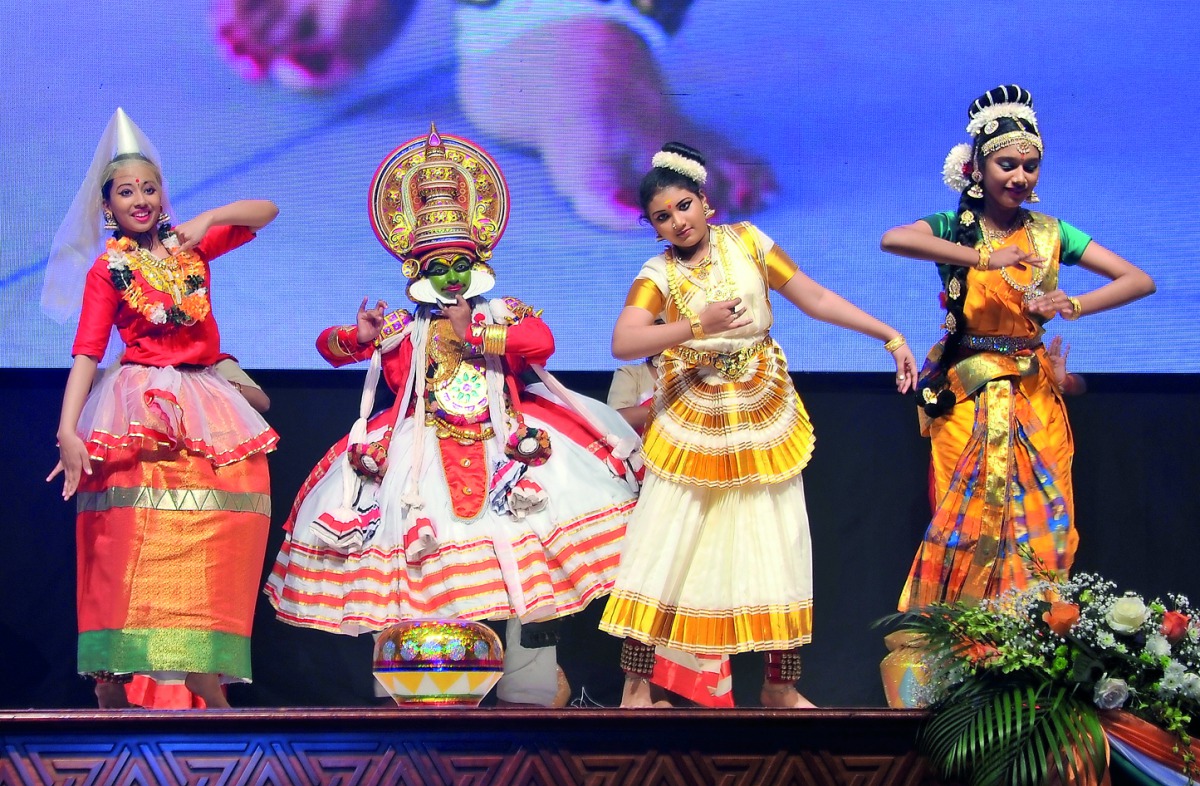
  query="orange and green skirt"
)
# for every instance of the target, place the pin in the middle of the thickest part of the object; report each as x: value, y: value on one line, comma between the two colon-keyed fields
x: 170, y: 552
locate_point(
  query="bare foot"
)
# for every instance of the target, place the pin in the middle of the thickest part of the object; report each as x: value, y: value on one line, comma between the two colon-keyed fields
x: 306, y: 44
x: 639, y: 693
x: 589, y: 96
x: 207, y: 687
x: 784, y: 697
x: 111, y: 696
x: 563, y: 697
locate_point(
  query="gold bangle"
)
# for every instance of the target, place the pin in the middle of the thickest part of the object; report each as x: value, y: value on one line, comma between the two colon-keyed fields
x: 985, y: 259
x: 1076, y: 309
x: 895, y: 343
x: 495, y: 339
x: 697, y: 327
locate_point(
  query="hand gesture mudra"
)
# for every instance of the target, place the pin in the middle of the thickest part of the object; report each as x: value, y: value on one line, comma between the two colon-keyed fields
x: 723, y: 315
x: 370, y: 321
x: 1050, y: 304
x: 1014, y: 256
x: 459, y: 314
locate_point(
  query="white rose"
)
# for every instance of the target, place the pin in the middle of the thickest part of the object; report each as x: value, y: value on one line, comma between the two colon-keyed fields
x: 1127, y: 614
x: 1110, y: 693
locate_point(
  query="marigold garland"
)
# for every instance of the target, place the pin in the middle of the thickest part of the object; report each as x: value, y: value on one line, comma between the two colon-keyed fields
x: 188, y: 306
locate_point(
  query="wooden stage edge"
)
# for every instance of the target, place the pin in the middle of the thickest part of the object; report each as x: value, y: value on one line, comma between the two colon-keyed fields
x: 483, y: 747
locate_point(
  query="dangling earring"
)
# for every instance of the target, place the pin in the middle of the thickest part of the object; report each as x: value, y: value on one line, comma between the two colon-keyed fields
x: 976, y: 191
x: 1033, y: 197
x: 164, y: 220
x: 708, y: 211
x: 110, y: 222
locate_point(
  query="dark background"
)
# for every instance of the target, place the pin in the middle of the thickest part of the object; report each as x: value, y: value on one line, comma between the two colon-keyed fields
x: 1136, y: 505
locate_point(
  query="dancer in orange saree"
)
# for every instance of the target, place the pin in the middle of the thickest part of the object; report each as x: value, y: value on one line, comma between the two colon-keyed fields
x: 1002, y: 445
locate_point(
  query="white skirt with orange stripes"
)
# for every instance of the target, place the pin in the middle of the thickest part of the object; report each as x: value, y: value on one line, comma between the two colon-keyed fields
x: 550, y: 561
x: 715, y: 571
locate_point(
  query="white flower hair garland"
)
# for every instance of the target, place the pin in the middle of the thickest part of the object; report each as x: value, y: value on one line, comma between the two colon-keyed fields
x: 685, y: 166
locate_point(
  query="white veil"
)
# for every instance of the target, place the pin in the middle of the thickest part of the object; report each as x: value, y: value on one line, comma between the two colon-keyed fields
x: 80, y: 237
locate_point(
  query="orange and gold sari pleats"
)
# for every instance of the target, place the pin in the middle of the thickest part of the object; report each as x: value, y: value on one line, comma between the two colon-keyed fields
x: 1009, y: 487
x: 711, y: 431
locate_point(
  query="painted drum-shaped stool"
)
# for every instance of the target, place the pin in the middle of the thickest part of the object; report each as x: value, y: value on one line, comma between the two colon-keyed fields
x: 449, y: 663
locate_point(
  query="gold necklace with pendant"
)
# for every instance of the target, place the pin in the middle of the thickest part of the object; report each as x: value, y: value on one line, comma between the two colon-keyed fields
x: 1033, y: 288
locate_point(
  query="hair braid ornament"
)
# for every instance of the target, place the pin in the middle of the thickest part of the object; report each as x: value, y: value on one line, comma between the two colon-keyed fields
x: 957, y: 169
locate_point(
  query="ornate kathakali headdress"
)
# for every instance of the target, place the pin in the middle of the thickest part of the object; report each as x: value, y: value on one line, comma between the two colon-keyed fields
x: 434, y: 194
x: 1000, y: 117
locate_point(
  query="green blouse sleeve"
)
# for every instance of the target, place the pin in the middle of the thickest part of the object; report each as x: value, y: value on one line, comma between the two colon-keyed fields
x: 942, y: 224
x: 1073, y: 244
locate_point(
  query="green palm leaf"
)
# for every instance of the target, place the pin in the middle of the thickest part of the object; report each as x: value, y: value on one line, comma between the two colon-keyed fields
x: 1013, y: 731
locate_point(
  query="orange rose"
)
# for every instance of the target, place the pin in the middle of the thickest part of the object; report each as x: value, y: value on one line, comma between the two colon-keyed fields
x: 1061, y: 617
x: 981, y: 654
x: 1174, y: 626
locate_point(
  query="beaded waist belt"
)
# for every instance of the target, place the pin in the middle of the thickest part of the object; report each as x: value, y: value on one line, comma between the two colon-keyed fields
x: 1004, y: 345
x: 731, y: 365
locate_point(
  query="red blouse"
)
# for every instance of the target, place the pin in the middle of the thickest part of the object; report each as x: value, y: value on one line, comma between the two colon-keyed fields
x: 146, y: 343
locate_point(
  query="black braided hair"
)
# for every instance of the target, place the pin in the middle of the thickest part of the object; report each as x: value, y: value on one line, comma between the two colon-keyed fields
x: 967, y: 233
x: 659, y: 177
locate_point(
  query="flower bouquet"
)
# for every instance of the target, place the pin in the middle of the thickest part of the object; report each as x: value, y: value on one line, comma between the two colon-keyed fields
x: 1022, y: 683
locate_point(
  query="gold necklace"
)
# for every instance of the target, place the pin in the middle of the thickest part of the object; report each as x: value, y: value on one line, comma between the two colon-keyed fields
x: 165, y: 274
x: 713, y: 293
x: 1033, y: 288
x: 180, y: 277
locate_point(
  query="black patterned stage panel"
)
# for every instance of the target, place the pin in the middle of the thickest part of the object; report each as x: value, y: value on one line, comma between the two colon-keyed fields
x: 486, y: 747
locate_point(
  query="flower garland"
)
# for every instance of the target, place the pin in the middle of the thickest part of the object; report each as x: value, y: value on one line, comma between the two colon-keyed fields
x: 180, y: 277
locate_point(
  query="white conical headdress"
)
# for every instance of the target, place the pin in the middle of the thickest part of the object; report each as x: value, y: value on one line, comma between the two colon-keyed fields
x: 80, y: 237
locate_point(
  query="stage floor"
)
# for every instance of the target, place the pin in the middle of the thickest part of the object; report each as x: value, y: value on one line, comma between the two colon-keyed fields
x: 492, y: 747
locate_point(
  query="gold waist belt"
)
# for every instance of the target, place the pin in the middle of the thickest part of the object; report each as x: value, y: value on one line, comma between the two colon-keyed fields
x: 464, y: 435
x: 731, y: 365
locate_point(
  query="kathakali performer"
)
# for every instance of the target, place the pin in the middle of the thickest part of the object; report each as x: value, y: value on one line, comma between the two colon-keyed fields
x: 476, y: 496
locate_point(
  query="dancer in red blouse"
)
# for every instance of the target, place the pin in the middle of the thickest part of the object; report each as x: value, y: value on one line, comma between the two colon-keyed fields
x: 166, y: 459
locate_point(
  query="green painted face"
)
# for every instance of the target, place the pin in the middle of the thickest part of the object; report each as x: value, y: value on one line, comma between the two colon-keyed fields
x: 449, y: 274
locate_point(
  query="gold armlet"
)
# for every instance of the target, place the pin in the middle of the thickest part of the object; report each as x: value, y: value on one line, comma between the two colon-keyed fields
x: 336, y: 346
